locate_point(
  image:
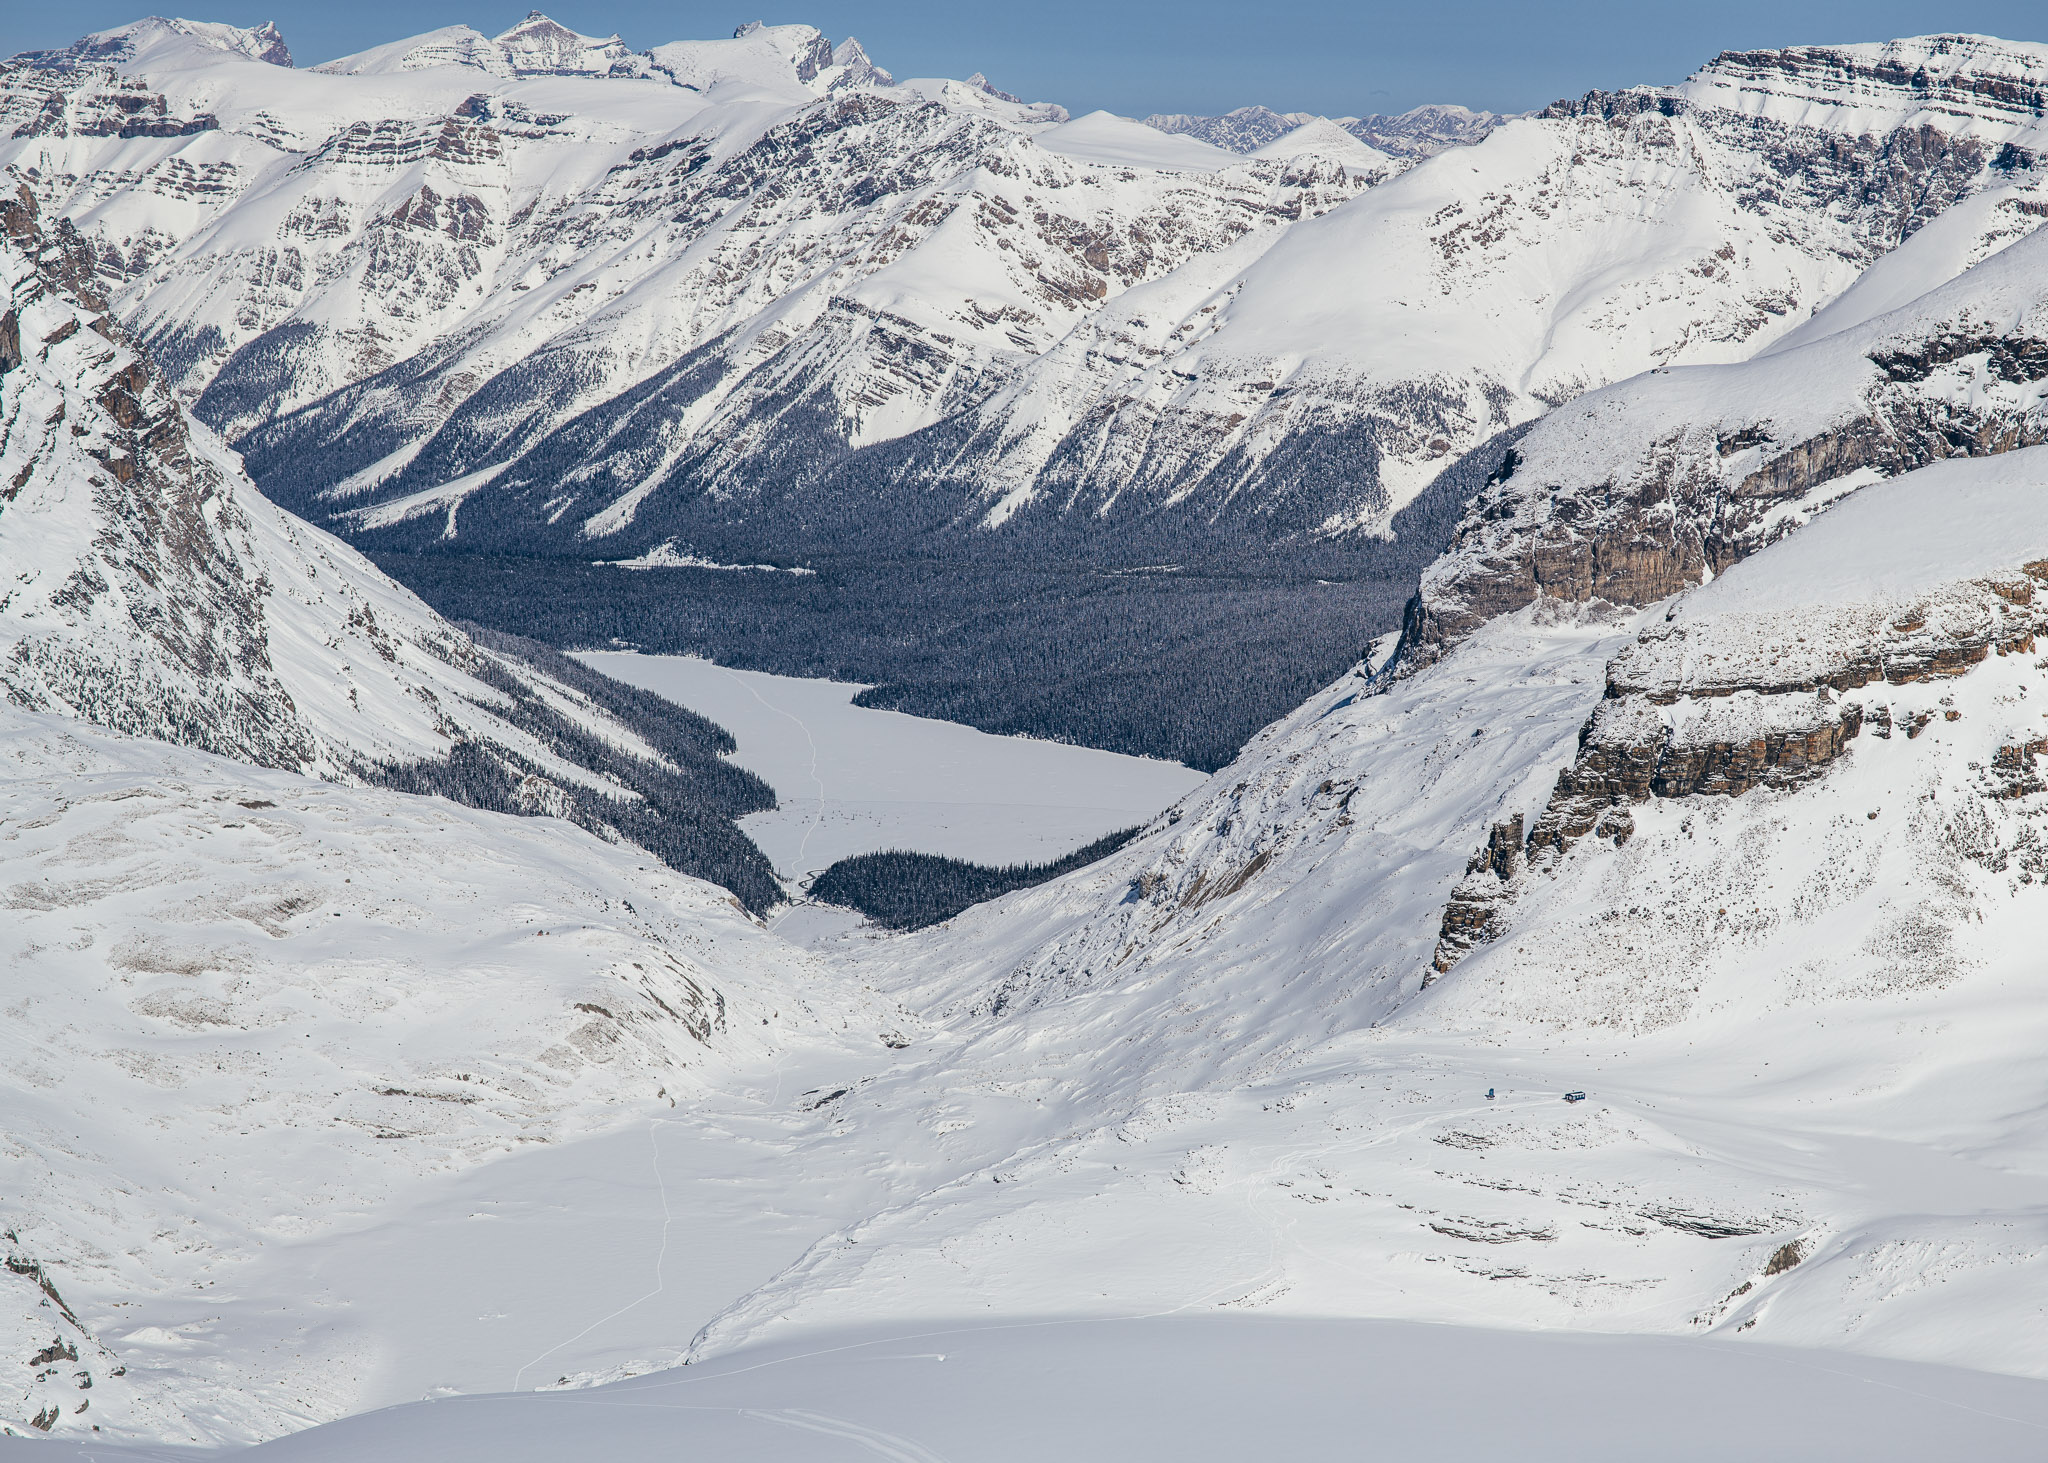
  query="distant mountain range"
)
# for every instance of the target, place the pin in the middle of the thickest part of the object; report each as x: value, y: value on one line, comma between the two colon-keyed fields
x: 754, y: 299
x: 1418, y: 132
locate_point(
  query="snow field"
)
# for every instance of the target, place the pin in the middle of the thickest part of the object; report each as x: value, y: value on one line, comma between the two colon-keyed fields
x: 1213, y: 1390
x: 254, y: 1019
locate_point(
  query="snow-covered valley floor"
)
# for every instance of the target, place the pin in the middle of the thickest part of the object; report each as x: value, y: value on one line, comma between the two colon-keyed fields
x: 854, y: 780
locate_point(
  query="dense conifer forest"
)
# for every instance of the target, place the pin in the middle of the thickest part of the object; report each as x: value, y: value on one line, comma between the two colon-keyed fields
x: 907, y: 891
x: 1181, y: 659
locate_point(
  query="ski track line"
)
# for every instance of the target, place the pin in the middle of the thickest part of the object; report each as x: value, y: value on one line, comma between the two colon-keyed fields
x: 660, y: 1263
x: 810, y: 741
x: 883, y: 1445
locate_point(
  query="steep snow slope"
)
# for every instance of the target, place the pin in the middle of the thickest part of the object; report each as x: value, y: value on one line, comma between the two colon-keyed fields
x: 153, y: 591
x: 1642, y: 489
x: 250, y: 1013
x: 1791, y: 965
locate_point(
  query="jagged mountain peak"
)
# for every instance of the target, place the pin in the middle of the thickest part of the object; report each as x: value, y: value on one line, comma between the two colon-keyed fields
x: 982, y: 84
x: 543, y: 28
x: 539, y: 46
x: 856, y: 67
x: 162, y: 40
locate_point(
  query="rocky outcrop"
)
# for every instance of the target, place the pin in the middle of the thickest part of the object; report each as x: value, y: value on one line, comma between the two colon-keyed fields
x: 1719, y: 709
x: 1727, y: 705
x: 1475, y: 914
x: 1660, y: 483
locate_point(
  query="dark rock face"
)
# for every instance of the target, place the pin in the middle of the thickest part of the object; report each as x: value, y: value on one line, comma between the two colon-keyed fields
x: 1476, y: 912
x: 1591, y: 795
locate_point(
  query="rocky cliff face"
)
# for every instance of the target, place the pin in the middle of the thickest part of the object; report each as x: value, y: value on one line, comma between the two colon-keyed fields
x: 1729, y: 700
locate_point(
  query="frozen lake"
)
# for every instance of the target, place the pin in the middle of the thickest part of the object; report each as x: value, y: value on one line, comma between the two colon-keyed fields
x: 851, y: 780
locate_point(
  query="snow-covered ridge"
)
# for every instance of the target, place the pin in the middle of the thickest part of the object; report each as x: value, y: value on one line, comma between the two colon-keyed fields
x: 757, y: 55
x: 1650, y: 486
x: 155, y: 592
x: 1955, y: 81
x: 1007, y: 316
x: 158, y: 41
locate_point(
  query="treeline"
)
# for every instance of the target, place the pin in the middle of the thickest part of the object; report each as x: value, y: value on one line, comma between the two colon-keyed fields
x: 1180, y: 665
x: 685, y: 811
x: 1177, y: 658
x: 907, y: 891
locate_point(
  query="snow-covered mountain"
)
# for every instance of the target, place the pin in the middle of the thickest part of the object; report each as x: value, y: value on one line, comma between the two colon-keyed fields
x: 593, y: 306
x: 1629, y: 494
x: 1648, y: 950
x: 1418, y: 132
x: 154, y: 592
x: 158, y: 40
x: 745, y: 300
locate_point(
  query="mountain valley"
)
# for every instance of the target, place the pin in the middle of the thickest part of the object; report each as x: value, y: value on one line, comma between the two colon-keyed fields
x: 1595, y: 560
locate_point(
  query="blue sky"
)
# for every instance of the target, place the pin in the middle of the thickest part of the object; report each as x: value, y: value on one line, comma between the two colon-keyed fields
x: 1140, y: 56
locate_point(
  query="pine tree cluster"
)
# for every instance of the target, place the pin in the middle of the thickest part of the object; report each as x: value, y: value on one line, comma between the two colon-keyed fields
x: 907, y: 891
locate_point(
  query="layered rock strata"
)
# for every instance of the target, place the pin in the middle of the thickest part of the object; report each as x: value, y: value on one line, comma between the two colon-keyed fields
x: 1723, y: 706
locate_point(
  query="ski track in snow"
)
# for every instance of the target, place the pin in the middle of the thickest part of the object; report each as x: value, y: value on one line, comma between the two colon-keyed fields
x: 810, y: 741
x: 883, y: 1445
x: 654, y: 1126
